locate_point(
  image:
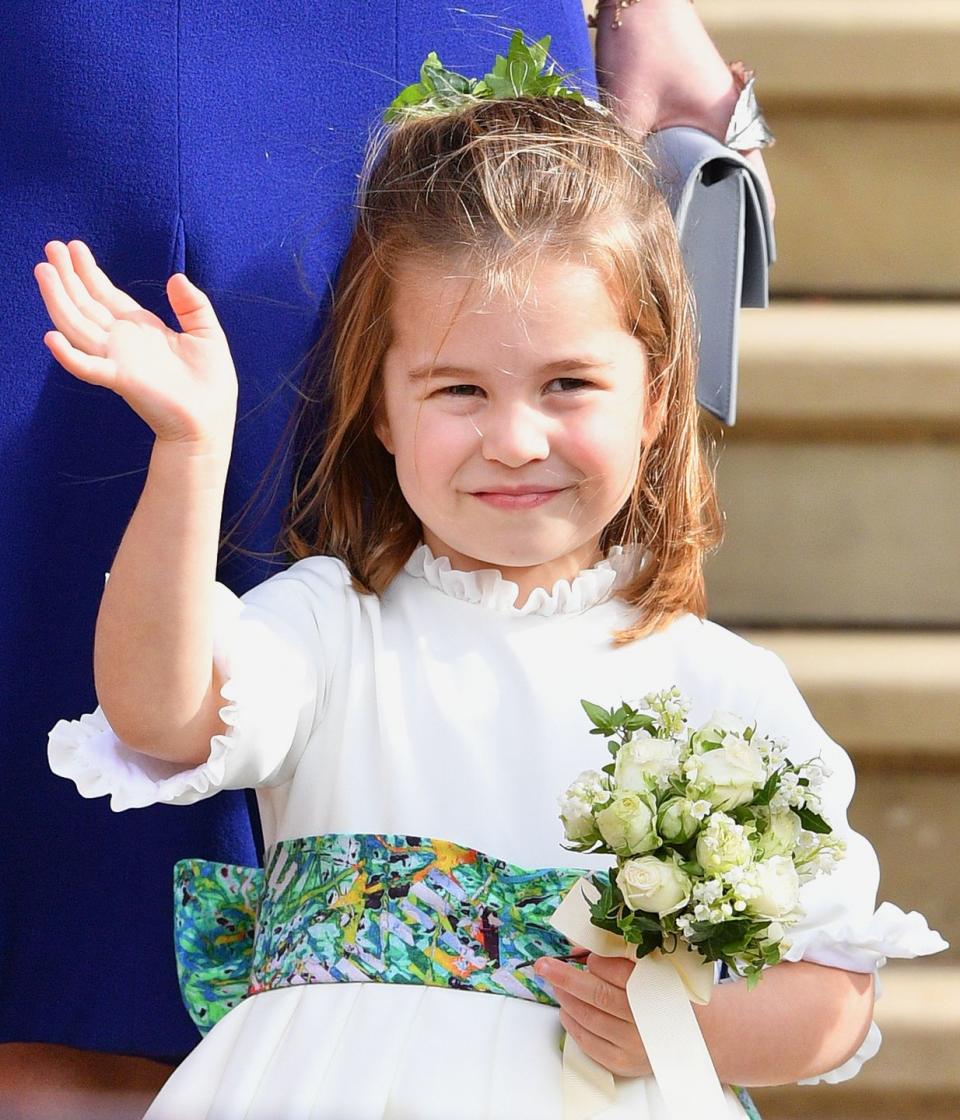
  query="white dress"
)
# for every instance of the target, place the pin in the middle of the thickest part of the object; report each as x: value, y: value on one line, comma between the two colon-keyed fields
x: 442, y: 710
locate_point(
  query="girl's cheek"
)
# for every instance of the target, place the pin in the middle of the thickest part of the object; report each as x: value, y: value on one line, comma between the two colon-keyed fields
x: 445, y: 438
x: 595, y: 439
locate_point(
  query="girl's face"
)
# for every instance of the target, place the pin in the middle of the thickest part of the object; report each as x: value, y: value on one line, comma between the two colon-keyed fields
x: 516, y: 432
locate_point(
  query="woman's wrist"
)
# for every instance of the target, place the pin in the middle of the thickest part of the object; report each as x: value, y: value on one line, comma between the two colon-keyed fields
x: 662, y: 68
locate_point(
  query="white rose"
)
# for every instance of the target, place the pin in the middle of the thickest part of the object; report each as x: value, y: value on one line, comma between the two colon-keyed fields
x: 677, y: 821
x: 723, y: 844
x: 654, y: 885
x: 578, y: 803
x: 628, y: 824
x: 776, y: 888
x: 735, y: 771
x: 645, y: 762
x: 718, y: 725
x: 781, y: 836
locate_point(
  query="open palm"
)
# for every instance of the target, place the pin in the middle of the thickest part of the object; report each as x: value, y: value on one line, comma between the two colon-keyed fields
x: 181, y: 383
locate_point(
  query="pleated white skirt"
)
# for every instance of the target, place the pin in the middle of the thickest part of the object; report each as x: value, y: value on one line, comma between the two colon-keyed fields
x: 369, y: 1051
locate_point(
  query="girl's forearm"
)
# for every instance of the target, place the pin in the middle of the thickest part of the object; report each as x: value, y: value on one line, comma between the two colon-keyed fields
x: 153, y: 652
x: 801, y: 1020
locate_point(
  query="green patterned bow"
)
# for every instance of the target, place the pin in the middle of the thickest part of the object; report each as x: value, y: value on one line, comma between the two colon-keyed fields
x: 517, y: 75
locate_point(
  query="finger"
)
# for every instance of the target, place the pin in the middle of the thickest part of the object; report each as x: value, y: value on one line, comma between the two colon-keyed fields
x: 193, y: 310
x: 615, y: 970
x: 59, y: 256
x: 98, y: 284
x: 608, y: 1055
x: 600, y: 1023
x: 97, y: 371
x: 78, y: 330
x: 591, y: 989
x: 755, y: 157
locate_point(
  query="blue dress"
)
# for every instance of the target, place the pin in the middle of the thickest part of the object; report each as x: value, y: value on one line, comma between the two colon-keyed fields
x: 223, y: 141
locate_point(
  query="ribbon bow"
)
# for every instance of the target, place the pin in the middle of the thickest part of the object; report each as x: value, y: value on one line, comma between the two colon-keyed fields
x: 659, y: 992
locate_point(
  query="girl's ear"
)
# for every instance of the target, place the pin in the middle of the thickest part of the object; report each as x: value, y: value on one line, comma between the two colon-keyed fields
x: 654, y: 418
x: 381, y: 427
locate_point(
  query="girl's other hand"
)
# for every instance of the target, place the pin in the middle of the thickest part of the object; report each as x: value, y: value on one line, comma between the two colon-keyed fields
x: 594, y: 1009
x: 181, y: 383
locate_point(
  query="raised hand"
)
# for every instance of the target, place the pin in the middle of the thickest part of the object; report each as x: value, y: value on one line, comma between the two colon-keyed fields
x: 181, y: 383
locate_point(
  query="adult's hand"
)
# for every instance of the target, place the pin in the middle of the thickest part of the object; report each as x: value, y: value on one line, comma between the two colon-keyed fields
x: 662, y: 69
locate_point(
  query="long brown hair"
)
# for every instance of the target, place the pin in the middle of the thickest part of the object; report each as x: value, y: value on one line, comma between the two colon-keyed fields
x: 499, y: 184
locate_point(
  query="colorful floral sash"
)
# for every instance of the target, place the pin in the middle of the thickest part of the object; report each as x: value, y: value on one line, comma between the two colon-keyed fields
x: 365, y: 907
x: 398, y: 909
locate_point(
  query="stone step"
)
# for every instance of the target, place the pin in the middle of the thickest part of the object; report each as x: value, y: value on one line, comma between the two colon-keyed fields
x: 839, y: 480
x: 892, y: 700
x: 832, y: 532
x: 864, y: 99
x: 886, y: 695
x: 849, y: 368
x: 916, y: 1073
x: 823, y: 51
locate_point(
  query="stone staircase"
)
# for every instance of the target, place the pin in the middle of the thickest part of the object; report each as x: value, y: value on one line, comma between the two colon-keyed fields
x: 841, y: 478
x: 863, y: 97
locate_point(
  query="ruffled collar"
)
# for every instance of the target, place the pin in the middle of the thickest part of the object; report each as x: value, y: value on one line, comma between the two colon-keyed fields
x: 488, y: 588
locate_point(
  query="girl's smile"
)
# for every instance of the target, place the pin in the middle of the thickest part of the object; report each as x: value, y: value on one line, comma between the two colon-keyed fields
x: 520, y: 498
x: 516, y: 430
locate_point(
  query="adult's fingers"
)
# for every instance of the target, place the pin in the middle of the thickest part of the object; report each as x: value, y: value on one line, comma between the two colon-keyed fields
x: 79, y: 331
x: 755, y: 158
x: 98, y: 284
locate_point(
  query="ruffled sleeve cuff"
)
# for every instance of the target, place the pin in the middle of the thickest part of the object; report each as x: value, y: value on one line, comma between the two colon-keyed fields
x: 864, y: 947
x: 270, y: 689
x: 850, y: 1068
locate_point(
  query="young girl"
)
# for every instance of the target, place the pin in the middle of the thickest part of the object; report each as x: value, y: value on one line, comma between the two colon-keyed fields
x: 502, y: 506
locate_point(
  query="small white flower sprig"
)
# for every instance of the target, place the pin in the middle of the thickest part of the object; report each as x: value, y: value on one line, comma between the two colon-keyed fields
x: 714, y: 830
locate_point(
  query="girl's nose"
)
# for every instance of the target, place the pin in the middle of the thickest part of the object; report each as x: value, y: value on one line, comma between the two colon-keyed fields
x: 515, y: 436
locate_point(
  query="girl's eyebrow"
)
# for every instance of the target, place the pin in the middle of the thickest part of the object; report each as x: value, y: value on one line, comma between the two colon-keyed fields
x: 561, y: 366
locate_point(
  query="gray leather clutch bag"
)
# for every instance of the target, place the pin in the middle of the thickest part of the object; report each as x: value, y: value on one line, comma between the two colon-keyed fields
x: 726, y: 235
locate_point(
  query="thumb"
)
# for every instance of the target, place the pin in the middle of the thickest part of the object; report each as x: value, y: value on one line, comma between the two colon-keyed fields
x: 193, y: 310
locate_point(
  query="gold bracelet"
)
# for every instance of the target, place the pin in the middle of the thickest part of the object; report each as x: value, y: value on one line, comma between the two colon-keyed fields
x: 747, y: 128
x: 619, y: 5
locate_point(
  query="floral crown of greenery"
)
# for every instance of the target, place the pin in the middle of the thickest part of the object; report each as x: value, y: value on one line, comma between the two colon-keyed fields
x: 518, y: 75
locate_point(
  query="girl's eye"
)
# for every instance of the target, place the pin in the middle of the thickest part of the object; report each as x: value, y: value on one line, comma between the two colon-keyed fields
x: 460, y: 390
x: 561, y: 384
x: 569, y: 384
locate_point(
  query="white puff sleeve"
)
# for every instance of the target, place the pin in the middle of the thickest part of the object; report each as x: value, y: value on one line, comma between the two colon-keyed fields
x: 269, y: 649
x: 840, y: 926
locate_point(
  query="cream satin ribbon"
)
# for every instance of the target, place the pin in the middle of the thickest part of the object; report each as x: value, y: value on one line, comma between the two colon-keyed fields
x: 659, y: 991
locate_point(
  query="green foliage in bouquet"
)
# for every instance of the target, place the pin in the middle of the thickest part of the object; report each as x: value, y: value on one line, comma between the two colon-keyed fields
x: 714, y: 830
x: 516, y: 75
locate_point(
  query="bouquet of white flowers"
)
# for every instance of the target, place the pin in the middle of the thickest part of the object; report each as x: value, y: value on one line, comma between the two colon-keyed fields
x: 714, y: 831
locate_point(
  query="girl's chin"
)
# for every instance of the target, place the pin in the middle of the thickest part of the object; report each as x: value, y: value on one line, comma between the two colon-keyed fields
x: 507, y: 556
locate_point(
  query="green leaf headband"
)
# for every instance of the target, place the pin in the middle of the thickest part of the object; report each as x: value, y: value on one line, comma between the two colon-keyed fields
x: 517, y: 75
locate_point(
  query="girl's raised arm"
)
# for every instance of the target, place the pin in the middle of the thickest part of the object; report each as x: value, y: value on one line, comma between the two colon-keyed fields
x: 153, y: 653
